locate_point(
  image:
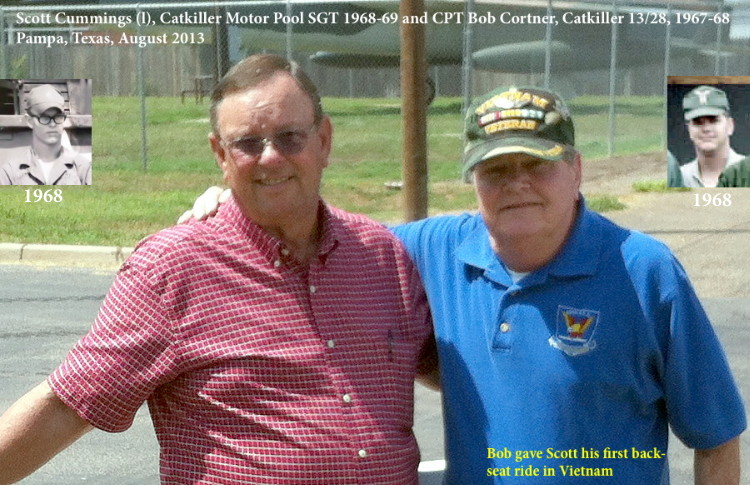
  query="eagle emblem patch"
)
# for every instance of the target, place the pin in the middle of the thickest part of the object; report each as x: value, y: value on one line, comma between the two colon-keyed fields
x: 575, y: 330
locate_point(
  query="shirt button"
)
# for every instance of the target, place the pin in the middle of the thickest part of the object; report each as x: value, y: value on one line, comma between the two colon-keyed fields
x: 276, y: 263
x: 362, y: 453
x: 285, y: 252
x: 505, y: 327
x: 347, y: 398
x: 313, y: 289
x: 331, y: 344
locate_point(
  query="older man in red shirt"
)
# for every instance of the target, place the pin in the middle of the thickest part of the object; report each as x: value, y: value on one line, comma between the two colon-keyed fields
x: 275, y: 343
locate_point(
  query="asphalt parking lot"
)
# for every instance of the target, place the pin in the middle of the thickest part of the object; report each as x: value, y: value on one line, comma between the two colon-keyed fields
x: 46, y: 306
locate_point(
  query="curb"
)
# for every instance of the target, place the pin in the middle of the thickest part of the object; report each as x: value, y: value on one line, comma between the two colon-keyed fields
x: 63, y: 254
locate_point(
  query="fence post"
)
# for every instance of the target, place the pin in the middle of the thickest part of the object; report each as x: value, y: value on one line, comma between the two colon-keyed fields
x: 414, y: 111
x: 467, y: 65
x: 3, y: 47
x: 289, y: 31
x: 719, y: 39
x: 667, y: 60
x: 612, y: 85
x: 142, y: 96
x: 548, y: 48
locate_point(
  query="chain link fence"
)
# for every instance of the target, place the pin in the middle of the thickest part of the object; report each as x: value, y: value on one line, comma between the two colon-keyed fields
x: 351, y: 49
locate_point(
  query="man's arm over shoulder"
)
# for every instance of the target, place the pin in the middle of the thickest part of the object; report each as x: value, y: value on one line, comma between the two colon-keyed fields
x: 33, y: 430
x: 719, y: 465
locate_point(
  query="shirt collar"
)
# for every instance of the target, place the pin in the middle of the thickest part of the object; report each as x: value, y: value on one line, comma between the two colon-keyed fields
x: 330, y: 234
x: 692, y: 169
x: 578, y: 256
x: 66, y: 157
x: 229, y: 214
x: 475, y: 250
x: 31, y: 165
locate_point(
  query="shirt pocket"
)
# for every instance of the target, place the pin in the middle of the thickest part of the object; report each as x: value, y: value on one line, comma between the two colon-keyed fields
x: 400, y: 355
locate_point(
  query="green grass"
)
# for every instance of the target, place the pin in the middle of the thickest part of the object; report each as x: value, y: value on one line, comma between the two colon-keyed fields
x: 633, y: 114
x: 604, y: 203
x: 125, y: 203
x: 656, y: 186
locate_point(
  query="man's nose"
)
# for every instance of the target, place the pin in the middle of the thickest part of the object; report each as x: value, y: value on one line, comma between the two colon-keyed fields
x: 517, y: 177
x: 270, y: 154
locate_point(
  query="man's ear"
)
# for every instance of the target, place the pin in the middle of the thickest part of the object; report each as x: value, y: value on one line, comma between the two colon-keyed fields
x: 578, y: 167
x: 325, y: 133
x: 27, y: 119
x: 218, y: 149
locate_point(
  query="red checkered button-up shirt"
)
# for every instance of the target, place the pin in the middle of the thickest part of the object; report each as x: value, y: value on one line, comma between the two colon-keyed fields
x: 255, y: 368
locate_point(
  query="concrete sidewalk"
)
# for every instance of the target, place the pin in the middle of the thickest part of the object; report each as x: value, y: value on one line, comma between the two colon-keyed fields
x: 63, y: 255
x: 710, y: 241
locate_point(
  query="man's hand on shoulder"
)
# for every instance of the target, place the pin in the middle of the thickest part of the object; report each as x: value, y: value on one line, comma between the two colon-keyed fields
x: 206, y: 204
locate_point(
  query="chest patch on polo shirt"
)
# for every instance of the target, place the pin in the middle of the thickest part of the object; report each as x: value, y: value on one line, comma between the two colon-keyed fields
x: 575, y: 330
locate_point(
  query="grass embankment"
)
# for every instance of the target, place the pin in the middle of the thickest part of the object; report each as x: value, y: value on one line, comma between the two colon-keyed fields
x: 125, y: 203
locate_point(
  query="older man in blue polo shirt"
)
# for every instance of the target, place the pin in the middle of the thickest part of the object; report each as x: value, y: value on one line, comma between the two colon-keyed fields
x: 568, y: 345
x: 561, y: 334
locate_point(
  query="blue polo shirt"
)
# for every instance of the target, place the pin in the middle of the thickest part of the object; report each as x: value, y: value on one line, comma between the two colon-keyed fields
x: 572, y: 374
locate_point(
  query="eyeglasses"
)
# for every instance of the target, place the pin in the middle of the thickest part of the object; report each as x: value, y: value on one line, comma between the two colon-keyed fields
x: 289, y: 142
x: 46, y: 120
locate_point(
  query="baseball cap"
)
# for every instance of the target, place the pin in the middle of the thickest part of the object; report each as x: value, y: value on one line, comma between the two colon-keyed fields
x: 44, y: 97
x: 705, y: 101
x: 516, y: 120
